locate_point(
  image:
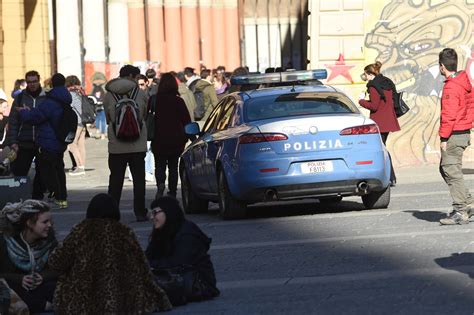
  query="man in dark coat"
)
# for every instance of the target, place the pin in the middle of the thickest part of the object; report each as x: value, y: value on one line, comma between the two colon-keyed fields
x: 47, y: 117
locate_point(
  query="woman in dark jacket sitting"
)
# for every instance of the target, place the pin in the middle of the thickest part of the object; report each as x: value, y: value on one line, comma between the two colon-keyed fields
x: 176, y: 242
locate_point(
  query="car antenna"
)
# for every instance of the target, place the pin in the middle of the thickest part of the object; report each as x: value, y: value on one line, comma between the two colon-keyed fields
x: 293, y: 88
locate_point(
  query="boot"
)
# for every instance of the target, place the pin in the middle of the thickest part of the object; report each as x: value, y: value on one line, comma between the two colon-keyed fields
x: 160, y: 191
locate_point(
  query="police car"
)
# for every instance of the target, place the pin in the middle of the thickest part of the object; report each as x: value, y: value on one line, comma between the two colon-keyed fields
x: 296, y: 139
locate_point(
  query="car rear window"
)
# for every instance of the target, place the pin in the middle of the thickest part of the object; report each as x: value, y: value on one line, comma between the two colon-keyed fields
x: 298, y: 104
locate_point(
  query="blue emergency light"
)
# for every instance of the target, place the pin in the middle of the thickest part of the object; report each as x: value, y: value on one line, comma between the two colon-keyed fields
x: 280, y: 77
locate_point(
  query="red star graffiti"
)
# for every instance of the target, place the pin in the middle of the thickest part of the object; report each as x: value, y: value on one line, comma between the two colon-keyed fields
x: 340, y: 68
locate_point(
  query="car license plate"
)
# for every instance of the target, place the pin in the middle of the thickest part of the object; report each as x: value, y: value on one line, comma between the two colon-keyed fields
x: 317, y: 167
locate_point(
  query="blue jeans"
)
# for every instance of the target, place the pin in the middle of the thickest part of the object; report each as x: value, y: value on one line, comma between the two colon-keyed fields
x: 100, y: 122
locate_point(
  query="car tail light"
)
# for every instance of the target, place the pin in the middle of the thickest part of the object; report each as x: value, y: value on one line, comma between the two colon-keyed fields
x: 360, y: 130
x: 261, y: 137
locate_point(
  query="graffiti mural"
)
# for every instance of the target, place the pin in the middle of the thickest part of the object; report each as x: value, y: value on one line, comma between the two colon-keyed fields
x: 408, y: 38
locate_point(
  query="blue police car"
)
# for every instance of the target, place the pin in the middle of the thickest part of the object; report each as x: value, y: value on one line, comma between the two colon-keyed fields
x: 296, y: 139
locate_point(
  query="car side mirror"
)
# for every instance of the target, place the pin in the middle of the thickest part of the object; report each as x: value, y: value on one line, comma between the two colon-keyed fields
x: 192, y: 129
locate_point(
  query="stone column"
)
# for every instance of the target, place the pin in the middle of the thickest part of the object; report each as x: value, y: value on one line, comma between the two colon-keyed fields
x: 232, y: 38
x: 263, y: 39
x: 174, y: 45
x: 250, y: 35
x: 274, y: 33
x: 68, y: 42
x: 190, y: 33
x: 206, y: 33
x: 93, y: 30
x: 136, y: 29
x: 220, y: 34
x: 156, y: 31
x: 13, y: 41
x: 118, y: 31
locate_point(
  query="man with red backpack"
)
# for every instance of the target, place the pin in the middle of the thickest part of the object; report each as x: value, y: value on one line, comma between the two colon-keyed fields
x: 125, y: 110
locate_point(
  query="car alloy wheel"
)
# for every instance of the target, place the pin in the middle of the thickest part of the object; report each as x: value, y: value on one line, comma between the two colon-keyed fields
x: 230, y: 208
x: 191, y: 202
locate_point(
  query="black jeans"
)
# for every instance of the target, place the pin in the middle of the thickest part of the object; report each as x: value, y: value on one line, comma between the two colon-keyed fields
x: 22, y: 164
x: 37, y: 298
x: 393, y: 178
x: 117, y: 165
x: 161, y: 160
x: 52, y: 172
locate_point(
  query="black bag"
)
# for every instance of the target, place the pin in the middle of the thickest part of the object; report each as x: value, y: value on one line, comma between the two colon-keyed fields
x: 183, y: 284
x: 88, y: 110
x: 401, y: 108
x: 66, y: 131
x: 150, y: 118
x: 200, y: 108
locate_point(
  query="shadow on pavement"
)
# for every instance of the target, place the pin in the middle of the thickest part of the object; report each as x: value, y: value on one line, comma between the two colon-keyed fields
x: 430, y: 216
x: 462, y: 262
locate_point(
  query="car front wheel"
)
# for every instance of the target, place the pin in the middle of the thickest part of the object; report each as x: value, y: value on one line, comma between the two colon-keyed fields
x: 230, y: 208
x: 377, y: 199
x: 191, y: 202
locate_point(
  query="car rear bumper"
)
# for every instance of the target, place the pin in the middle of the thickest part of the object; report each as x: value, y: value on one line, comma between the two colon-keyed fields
x: 313, y: 190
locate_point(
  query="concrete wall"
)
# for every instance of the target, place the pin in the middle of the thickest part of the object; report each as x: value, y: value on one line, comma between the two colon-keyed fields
x: 406, y: 36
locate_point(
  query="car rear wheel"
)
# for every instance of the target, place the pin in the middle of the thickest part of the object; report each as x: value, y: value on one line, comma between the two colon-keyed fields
x: 230, y: 208
x: 326, y: 200
x: 191, y: 202
x: 377, y: 199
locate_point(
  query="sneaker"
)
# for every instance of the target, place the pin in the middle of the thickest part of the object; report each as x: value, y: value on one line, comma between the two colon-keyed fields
x: 59, y: 204
x: 160, y: 191
x: 455, y: 217
x: 78, y: 171
x: 171, y: 194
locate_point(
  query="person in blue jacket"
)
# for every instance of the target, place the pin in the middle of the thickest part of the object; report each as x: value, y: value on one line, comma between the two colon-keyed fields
x: 47, y: 117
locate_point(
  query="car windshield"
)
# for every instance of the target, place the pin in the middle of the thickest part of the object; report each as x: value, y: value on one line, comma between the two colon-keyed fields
x: 297, y: 104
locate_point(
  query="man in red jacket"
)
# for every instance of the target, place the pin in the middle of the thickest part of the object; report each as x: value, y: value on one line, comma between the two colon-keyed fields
x: 455, y: 134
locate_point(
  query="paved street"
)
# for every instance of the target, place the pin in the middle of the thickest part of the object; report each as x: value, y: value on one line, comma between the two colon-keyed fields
x: 307, y: 258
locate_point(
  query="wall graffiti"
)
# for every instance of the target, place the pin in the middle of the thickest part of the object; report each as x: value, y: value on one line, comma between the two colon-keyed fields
x: 408, y: 38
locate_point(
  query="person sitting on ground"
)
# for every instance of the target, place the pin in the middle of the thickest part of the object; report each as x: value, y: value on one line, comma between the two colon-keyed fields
x: 25, y: 245
x: 176, y: 242
x: 102, y: 268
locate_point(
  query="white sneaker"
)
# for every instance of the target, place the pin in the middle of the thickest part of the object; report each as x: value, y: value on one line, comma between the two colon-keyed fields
x: 78, y: 171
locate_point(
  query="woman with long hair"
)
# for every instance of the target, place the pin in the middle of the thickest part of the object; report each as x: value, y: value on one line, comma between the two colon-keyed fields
x: 381, y: 91
x: 102, y: 268
x: 171, y: 115
x: 26, y: 243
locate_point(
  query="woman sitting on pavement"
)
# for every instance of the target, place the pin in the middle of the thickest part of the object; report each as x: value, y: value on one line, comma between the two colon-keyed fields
x: 102, y: 268
x: 26, y: 243
x: 179, y: 245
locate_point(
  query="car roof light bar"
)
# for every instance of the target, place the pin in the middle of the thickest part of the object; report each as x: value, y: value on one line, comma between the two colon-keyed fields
x: 280, y: 77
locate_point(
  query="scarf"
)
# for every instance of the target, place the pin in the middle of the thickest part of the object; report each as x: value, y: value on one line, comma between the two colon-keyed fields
x: 381, y: 83
x: 28, y: 258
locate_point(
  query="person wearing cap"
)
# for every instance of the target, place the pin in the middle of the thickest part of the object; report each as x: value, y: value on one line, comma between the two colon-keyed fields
x: 46, y: 117
x: 21, y: 136
x: 176, y: 242
x: 102, y: 268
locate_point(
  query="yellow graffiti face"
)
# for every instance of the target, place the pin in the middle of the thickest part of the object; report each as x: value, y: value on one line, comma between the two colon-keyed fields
x: 410, y: 34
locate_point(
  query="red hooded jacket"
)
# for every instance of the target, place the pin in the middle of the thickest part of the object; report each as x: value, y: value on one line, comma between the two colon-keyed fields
x: 457, y: 105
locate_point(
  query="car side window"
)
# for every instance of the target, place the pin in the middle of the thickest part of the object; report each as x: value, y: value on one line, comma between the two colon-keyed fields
x: 211, y: 121
x: 225, y: 117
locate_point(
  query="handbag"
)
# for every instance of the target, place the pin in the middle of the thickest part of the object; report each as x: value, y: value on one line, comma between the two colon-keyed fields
x: 401, y: 108
x: 173, y: 284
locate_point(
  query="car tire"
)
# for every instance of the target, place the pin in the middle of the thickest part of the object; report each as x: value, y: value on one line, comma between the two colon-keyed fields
x: 191, y: 202
x: 230, y: 208
x: 327, y: 200
x: 377, y: 199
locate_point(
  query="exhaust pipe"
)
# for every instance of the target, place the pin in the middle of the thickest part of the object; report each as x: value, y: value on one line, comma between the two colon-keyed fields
x: 363, y: 187
x: 270, y: 194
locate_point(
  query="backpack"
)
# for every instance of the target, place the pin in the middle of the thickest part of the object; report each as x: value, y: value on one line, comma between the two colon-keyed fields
x: 88, y: 110
x: 127, y: 124
x: 200, y: 109
x: 66, y: 131
x: 401, y: 108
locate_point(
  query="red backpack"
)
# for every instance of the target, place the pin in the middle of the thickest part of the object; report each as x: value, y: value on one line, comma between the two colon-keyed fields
x: 128, y: 124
